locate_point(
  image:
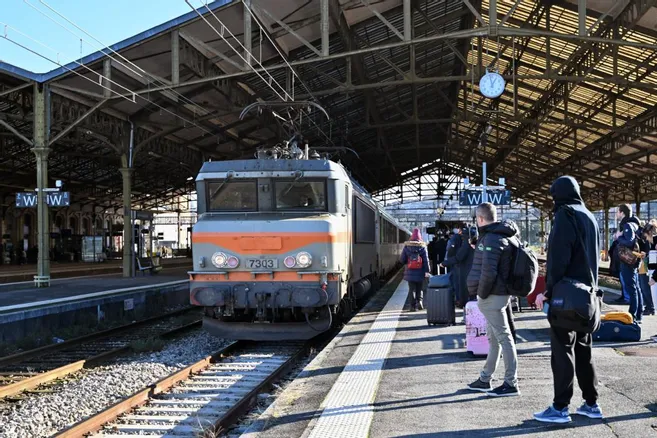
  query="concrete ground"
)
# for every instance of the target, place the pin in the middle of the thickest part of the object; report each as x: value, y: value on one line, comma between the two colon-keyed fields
x: 421, y: 392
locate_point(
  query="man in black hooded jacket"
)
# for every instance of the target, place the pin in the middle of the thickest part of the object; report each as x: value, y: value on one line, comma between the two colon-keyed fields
x: 567, y: 258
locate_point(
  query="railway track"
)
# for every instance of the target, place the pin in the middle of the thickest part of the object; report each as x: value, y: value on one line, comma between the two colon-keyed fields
x: 28, y: 370
x: 205, y: 398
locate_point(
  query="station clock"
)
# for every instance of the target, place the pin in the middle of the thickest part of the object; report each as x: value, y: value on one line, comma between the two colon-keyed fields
x: 492, y: 85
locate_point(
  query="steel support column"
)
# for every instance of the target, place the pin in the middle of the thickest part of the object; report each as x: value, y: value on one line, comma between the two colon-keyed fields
x: 128, y: 243
x: 324, y: 26
x: 527, y: 233
x: 41, y: 150
x: 605, y: 240
x: 107, y: 73
x: 581, y: 9
x: 408, y: 25
x: 542, y: 233
x: 637, y: 196
x: 175, y: 57
x: 248, y: 39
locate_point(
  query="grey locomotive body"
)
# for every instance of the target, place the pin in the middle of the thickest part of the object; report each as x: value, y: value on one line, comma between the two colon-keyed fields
x: 284, y: 246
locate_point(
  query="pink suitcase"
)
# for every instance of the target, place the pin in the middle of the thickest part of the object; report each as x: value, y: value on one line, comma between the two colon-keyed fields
x: 476, y: 339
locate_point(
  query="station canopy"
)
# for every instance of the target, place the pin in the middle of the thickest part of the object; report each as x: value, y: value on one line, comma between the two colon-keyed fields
x: 398, y: 78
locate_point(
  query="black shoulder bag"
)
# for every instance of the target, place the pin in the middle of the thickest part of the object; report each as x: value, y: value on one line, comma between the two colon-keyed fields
x: 575, y: 306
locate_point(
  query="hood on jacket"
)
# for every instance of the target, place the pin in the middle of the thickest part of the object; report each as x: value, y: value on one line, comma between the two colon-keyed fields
x: 565, y: 191
x: 631, y: 220
x: 506, y: 228
x: 415, y: 243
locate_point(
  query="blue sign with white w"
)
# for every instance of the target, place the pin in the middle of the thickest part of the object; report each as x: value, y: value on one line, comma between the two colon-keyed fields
x: 53, y: 199
x: 475, y: 197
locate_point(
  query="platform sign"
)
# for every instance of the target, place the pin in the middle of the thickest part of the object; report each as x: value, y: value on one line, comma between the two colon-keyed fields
x: 53, y: 199
x: 474, y: 197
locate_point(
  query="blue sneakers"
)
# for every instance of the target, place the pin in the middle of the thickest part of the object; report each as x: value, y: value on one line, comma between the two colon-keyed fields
x: 590, y: 411
x: 551, y: 415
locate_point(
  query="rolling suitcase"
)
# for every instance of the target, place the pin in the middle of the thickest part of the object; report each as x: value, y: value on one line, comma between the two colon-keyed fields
x: 439, y: 301
x: 615, y: 331
x: 476, y: 338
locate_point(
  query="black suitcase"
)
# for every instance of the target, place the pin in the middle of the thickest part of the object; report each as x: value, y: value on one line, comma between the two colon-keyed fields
x: 439, y: 303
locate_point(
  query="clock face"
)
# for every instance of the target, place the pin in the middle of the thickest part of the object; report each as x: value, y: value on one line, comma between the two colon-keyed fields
x: 492, y: 85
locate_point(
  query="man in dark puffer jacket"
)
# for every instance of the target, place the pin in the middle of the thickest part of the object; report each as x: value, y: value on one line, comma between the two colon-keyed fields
x: 488, y: 280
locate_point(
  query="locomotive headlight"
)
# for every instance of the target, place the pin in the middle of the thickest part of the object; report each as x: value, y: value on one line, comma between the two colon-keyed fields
x: 290, y: 262
x: 233, y: 262
x: 219, y: 259
x: 304, y: 259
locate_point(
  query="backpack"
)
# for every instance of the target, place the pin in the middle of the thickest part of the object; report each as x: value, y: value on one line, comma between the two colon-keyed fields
x: 414, y: 261
x: 524, y: 269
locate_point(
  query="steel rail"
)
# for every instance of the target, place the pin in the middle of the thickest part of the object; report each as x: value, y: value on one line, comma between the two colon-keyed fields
x: 236, y: 410
x: 95, y: 422
x: 96, y: 336
x: 32, y: 382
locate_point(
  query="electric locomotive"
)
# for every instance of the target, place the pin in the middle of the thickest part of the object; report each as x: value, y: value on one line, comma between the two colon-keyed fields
x: 285, y: 244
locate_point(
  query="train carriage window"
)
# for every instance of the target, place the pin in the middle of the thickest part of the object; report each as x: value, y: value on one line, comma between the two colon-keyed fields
x: 235, y: 195
x: 402, y: 236
x: 365, y: 223
x: 300, y: 195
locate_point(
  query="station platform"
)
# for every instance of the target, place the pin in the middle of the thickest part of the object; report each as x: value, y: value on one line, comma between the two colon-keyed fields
x: 389, y: 374
x: 25, y: 273
x: 26, y: 310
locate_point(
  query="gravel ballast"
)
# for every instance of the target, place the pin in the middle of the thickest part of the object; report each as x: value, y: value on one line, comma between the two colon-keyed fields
x: 96, y: 389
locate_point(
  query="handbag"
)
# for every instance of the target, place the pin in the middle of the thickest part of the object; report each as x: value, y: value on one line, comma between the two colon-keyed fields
x: 627, y: 256
x: 575, y: 306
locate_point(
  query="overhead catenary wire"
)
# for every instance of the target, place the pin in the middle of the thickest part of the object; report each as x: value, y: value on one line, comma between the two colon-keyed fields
x: 151, y: 78
x: 6, y: 37
x: 221, y: 35
x: 272, y: 79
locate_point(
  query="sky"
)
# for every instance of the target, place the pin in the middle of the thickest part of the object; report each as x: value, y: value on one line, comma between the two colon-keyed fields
x: 109, y: 21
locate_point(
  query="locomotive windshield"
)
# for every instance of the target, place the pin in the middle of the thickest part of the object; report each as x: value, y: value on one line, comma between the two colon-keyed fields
x: 300, y: 195
x: 232, y: 195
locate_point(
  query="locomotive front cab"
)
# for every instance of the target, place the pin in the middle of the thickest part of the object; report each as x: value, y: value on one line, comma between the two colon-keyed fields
x: 270, y: 247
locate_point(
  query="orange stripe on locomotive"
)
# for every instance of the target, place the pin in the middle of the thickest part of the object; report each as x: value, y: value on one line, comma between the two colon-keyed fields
x: 267, y: 243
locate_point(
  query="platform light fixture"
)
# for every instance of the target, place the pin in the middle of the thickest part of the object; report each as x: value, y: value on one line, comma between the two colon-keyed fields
x: 489, y: 129
x: 502, y: 182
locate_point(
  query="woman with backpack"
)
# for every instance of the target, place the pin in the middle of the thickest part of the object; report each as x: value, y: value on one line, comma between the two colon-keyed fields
x: 416, y: 262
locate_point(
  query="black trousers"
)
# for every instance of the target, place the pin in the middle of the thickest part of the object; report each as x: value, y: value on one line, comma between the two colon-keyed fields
x: 415, y: 291
x: 572, y: 355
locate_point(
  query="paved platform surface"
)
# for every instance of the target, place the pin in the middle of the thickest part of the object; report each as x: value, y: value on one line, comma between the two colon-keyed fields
x: 420, y: 389
x: 19, y: 273
x: 65, y: 288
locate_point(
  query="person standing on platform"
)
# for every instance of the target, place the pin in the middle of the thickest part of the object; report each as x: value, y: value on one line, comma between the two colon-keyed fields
x: 624, y: 214
x: 433, y: 256
x: 416, y: 261
x: 645, y: 244
x: 465, y: 256
x: 488, y: 280
x: 571, y: 351
x: 627, y: 237
x: 453, y: 263
x: 441, y: 249
x: 453, y: 244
